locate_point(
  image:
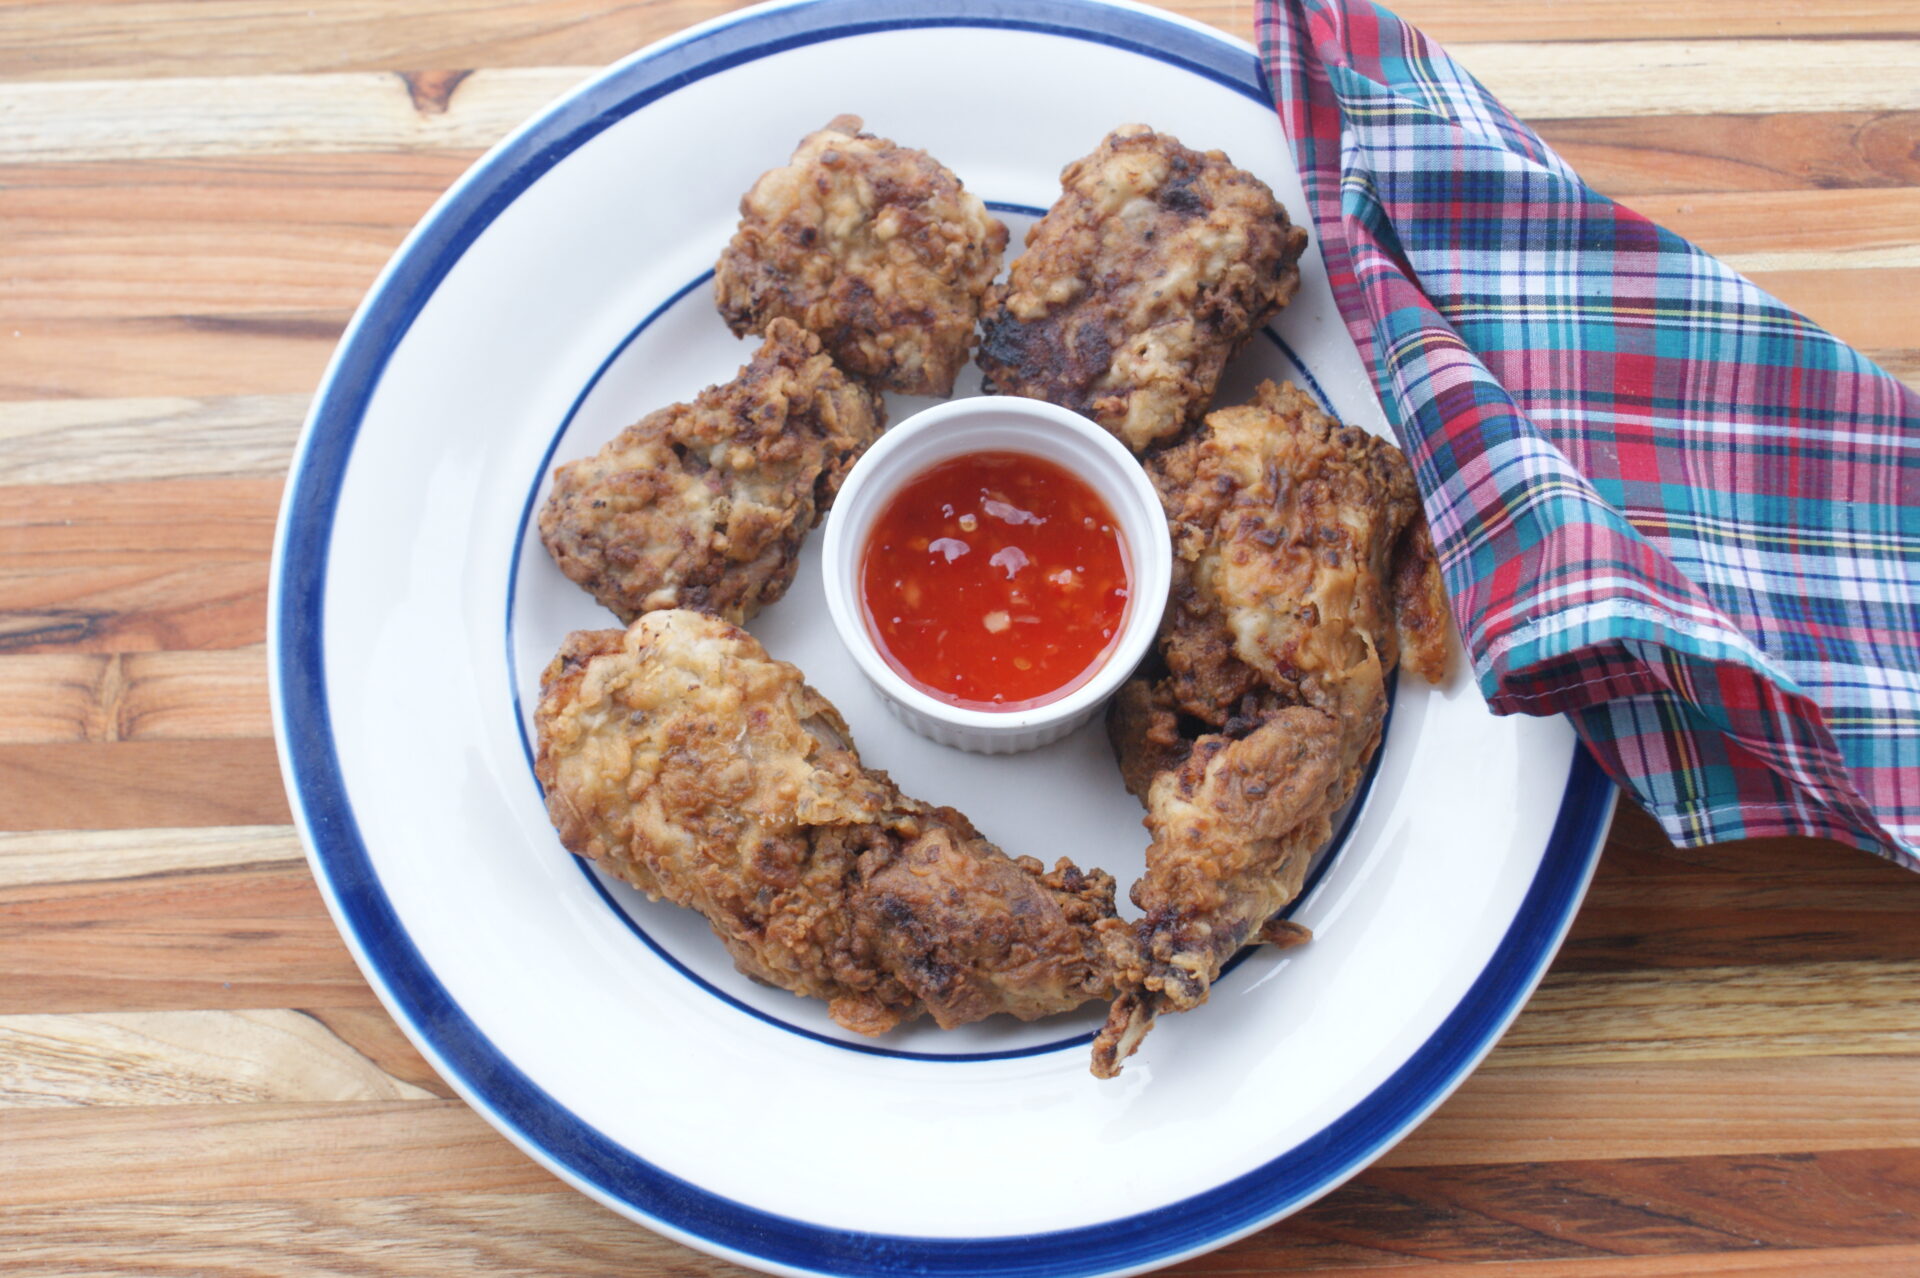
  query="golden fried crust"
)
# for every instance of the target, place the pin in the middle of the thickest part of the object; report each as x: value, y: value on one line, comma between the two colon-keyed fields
x: 1236, y: 824
x: 675, y: 755
x: 1144, y: 726
x: 679, y: 756
x: 1234, y: 827
x: 952, y: 917
x: 1153, y: 267
x: 1297, y: 542
x: 1285, y: 523
x: 1420, y: 604
x: 877, y: 248
x: 705, y: 505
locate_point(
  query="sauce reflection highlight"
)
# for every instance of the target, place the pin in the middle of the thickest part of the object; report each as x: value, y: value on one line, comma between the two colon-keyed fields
x: 996, y: 581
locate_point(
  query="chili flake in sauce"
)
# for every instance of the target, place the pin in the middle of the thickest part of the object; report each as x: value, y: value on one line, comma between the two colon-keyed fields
x: 995, y: 581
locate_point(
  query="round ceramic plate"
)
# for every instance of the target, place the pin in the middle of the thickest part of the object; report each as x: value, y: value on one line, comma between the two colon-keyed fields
x: 560, y: 291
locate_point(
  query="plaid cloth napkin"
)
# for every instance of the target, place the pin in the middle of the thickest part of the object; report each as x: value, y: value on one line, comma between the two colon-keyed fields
x: 1666, y: 505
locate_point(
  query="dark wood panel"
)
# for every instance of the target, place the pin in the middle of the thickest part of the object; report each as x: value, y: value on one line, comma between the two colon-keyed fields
x: 1584, y: 1210
x: 232, y: 937
x: 124, y: 785
x: 1754, y: 901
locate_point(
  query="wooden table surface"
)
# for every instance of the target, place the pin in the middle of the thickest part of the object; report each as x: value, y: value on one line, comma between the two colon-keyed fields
x: 1720, y: 1075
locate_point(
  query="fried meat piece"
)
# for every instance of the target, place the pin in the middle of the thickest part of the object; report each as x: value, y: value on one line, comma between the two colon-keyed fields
x: 1287, y: 530
x: 1420, y: 604
x: 679, y: 756
x: 705, y: 505
x: 970, y: 931
x: 1234, y: 829
x: 1146, y: 733
x: 1155, y: 265
x: 877, y: 248
x: 1296, y: 539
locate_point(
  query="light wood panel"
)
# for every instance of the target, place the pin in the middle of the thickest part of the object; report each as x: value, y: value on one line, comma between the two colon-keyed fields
x: 240, y: 37
x: 1903, y: 364
x: 202, y: 117
x: 1867, y: 309
x: 1604, y: 78
x: 1795, y: 230
x: 1728, y: 1013
x: 212, y: 116
x: 243, y: 37
x: 189, y: 356
x: 1671, y: 1109
x: 70, y: 441
x: 134, y: 696
x: 552, y: 1234
x: 186, y: 695
x: 164, y: 237
x: 252, y: 1152
x: 1457, y: 21
x: 52, y: 698
x: 50, y: 859
x: 1678, y: 154
x: 184, y: 1058
x: 232, y: 519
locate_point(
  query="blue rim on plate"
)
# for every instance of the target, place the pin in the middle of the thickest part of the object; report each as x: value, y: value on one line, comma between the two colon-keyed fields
x: 458, y: 1048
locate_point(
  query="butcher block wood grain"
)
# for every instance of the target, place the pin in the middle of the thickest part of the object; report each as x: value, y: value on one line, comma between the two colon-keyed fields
x: 1720, y: 1075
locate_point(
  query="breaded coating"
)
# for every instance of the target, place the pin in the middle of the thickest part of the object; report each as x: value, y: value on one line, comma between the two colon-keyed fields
x: 1287, y: 530
x: 1420, y: 604
x: 877, y: 248
x: 1297, y: 543
x: 1155, y: 265
x: 705, y: 505
x: 681, y: 757
x: 1234, y: 829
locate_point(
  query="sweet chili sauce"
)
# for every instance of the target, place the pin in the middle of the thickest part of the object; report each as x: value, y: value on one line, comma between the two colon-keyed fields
x: 995, y: 581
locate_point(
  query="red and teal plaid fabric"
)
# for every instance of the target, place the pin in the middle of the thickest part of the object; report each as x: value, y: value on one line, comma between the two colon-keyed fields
x: 1666, y: 505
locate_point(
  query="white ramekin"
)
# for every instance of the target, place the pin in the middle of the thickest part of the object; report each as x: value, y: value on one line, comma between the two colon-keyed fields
x: 983, y: 424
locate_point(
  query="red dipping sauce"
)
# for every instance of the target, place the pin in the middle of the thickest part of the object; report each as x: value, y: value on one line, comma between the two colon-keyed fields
x: 995, y: 581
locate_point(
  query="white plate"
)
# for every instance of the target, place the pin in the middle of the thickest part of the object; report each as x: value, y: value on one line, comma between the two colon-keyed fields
x: 557, y: 293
